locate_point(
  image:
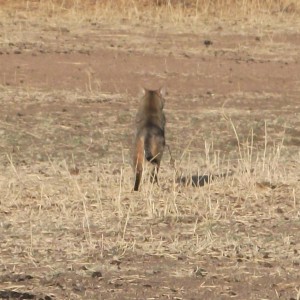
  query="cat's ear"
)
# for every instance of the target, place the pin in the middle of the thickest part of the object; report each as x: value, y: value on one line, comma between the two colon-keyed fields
x: 142, y: 91
x: 162, y: 91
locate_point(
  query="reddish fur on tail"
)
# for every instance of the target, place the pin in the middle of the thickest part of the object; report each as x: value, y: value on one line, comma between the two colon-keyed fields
x: 139, y: 160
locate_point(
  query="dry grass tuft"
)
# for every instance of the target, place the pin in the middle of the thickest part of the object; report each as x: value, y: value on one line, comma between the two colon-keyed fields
x: 157, y: 10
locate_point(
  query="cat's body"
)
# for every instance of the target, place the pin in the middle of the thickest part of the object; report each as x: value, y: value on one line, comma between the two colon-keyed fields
x: 149, y: 142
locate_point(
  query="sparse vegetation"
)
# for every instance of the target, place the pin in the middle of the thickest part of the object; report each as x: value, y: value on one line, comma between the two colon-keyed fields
x: 157, y: 10
x: 224, y: 220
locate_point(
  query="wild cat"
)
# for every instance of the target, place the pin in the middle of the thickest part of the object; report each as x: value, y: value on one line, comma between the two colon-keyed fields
x: 149, y: 141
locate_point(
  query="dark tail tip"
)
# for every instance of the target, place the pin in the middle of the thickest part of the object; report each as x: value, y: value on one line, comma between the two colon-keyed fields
x: 137, y: 182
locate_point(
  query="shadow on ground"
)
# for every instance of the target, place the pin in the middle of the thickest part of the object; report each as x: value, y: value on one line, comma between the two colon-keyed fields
x: 200, y: 180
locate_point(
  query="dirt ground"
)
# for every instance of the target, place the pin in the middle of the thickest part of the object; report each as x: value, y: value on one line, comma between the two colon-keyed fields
x: 70, y: 225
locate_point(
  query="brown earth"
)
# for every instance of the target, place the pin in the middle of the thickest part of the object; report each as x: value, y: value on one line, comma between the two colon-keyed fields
x: 68, y: 97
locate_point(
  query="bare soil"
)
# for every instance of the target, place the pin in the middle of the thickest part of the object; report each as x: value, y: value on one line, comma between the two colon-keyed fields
x: 70, y: 225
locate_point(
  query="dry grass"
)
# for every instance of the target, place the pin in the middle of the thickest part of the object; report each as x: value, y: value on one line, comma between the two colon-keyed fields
x: 156, y: 11
x: 91, y: 205
x: 62, y: 213
x: 67, y: 206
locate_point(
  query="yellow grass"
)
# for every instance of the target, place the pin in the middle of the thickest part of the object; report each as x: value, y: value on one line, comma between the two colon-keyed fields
x: 66, y: 180
x: 157, y: 10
